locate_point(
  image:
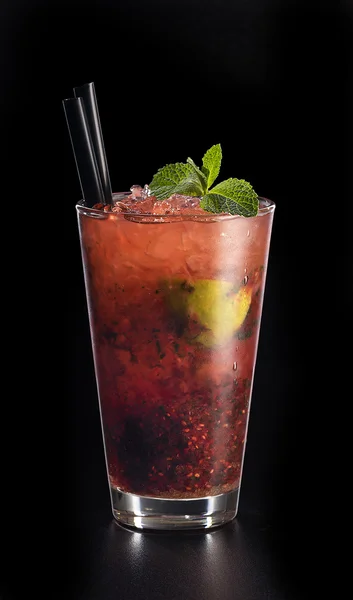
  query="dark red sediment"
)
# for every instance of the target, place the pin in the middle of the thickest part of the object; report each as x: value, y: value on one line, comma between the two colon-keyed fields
x: 174, y: 423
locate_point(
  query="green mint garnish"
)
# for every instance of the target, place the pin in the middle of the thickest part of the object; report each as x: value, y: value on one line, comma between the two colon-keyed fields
x: 233, y: 196
x: 202, y: 176
x: 179, y: 178
x: 211, y: 164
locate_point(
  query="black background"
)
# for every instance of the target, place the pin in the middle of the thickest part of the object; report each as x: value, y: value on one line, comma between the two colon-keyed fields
x: 272, y: 82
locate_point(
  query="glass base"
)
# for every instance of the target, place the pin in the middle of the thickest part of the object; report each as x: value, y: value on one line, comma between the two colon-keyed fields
x: 145, y: 512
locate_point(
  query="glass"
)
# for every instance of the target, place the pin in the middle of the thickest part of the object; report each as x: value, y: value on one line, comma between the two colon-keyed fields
x: 174, y: 305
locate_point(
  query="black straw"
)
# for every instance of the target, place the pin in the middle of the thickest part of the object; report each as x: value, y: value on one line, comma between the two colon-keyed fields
x: 88, y: 94
x: 83, y: 149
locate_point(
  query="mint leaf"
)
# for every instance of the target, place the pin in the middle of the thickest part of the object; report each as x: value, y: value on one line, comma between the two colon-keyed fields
x: 211, y: 164
x: 234, y: 196
x: 202, y: 177
x: 178, y: 178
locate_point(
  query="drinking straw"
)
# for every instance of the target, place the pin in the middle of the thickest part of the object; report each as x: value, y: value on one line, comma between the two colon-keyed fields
x: 83, y: 149
x: 88, y: 94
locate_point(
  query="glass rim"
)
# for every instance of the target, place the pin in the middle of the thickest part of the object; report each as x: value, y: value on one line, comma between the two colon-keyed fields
x: 268, y: 206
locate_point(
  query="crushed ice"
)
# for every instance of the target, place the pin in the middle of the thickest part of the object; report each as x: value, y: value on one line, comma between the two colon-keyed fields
x: 139, y: 193
x: 175, y: 204
x: 142, y: 200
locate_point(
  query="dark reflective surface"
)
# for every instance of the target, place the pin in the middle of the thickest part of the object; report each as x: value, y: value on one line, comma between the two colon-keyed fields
x: 236, y: 562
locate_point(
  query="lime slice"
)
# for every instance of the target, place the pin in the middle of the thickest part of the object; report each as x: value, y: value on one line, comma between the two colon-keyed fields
x: 217, y: 306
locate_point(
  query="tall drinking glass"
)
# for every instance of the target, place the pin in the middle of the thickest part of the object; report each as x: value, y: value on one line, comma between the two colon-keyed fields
x: 175, y: 306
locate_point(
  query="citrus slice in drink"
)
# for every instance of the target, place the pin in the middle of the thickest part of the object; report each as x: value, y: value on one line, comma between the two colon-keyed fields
x: 217, y: 306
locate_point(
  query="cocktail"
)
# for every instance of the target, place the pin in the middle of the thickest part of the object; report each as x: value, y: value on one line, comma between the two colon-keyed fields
x: 175, y: 274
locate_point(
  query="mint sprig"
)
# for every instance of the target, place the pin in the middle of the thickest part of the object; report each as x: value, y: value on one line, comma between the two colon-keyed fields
x: 211, y: 164
x: 178, y: 178
x: 233, y: 196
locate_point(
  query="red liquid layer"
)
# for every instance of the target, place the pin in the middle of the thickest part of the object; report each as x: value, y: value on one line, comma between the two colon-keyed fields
x: 174, y: 409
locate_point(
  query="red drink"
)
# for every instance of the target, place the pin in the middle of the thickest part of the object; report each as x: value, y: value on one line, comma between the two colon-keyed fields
x: 175, y: 301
